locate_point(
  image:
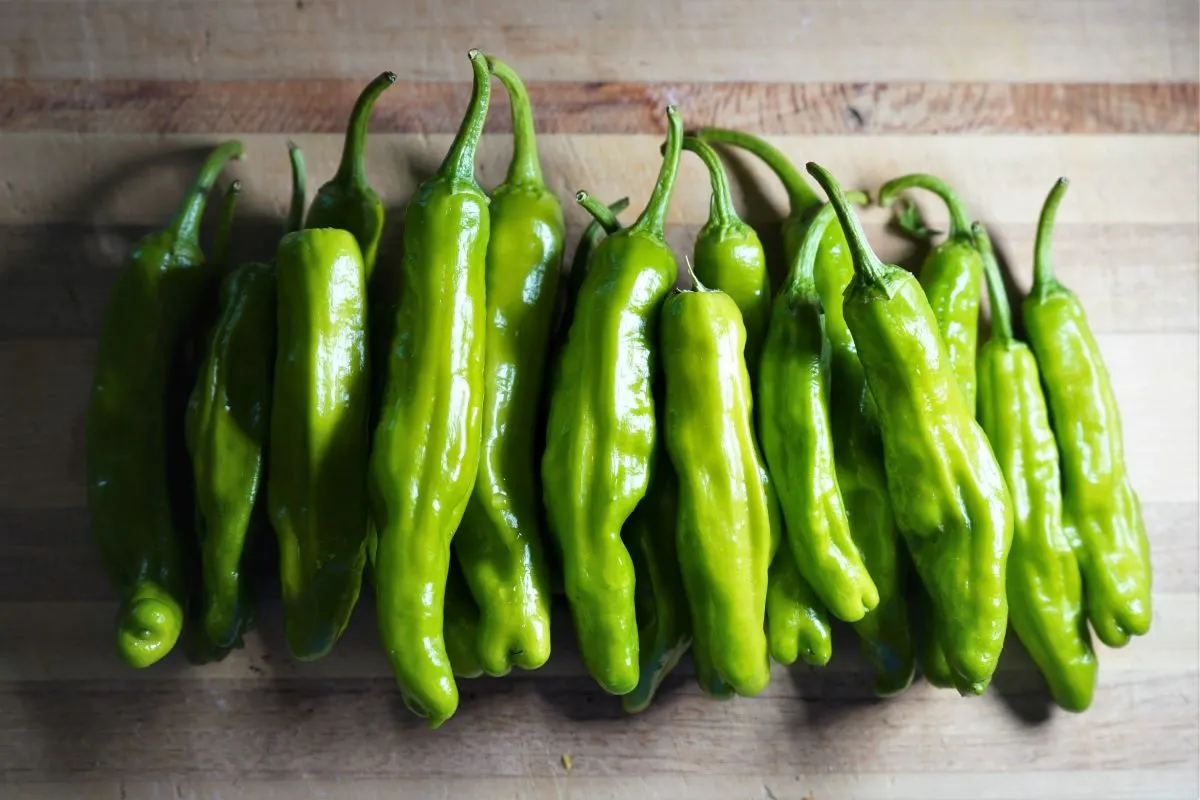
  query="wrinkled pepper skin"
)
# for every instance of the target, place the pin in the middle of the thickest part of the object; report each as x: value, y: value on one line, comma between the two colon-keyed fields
x: 425, y: 453
x: 499, y: 543
x: 316, y: 482
x: 348, y: 202
x: 156, y: 301
x: 664, y: 622
x: 793, y: 421
x: 1045, y: 589
x: 1101, y: 509
x: 947, y: 491
x: 797, y: 623
x: 602, y: 428
x: 728, y: 255
x: 726, y: 528
x: 952, y: 277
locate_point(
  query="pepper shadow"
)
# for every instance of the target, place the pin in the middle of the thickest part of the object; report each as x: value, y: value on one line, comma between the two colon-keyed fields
x: 842, y: 689
x: 1020, y: 685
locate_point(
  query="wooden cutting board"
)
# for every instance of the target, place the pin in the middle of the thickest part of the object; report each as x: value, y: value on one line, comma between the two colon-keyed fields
x: 105, y: 109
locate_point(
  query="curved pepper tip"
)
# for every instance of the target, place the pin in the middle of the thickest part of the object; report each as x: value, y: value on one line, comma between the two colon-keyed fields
x: 148, y: 628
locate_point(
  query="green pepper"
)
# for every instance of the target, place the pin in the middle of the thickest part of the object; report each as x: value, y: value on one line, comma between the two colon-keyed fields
x: 793, y: 420
x: 726, y: 528
x: 348, y: 202
x: 664, y: 623
x: 461, y: 629
x: 602, y: 428
x: 588, y: 240
x: 425, y: 454
x: 729, y: 257
x: 318, y: 442
x: 1045, y: 590
x: 947, y: 491
x: 797, y: 623
x: 499, y: 542
x: 155, y: 303
x: 1101, y: 510
x: 952, y: 277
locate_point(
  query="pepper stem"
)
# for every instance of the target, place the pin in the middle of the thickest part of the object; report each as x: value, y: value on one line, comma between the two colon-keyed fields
x: 697, y: 286
x: 601, y: 213
x: 186, y: 224
x: 997, y: 296
x: 225, y: 225
x: 801, y: 197
x: 867, y: 265
x: 295, y: 217
x: 460, y: 159
x: 352, y: 170
x: 654, y: 218
x: 524, y: 167
x: 960, y: 224
x: 721, y: 210
x: 1043, y: 269
x: 802, y: 280
x: 583, y: 252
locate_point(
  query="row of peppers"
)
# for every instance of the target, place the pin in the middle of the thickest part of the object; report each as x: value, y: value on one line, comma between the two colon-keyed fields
x: 719, y: 468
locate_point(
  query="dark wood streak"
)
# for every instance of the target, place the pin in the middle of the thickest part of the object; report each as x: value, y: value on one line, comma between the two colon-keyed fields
x: 607, y: 107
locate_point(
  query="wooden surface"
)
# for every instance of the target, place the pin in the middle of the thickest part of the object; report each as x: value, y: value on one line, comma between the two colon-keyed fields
x: 104, y: 111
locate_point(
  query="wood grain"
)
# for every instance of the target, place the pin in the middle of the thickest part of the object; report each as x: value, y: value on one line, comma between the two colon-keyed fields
x: 321, y: 106
x: 1016, y: 41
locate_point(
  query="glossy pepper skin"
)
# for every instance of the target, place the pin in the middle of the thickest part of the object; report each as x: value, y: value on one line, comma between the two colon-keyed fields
x: 797, y: 623
x: 664, y: 622
x: 727, y: 528
x: 952, y: 277
x: 947, y: 491
x: 728, y: 255
x: 316, y: 482
x: 348, y: 202
x: 461, y: 628
x: 499, y: 542
x: 793, y: 421
x: 1045, y: 590
x: 155, y: 302
x: 1101, y: 509
x: 425, y: 454
x: 602, y: 428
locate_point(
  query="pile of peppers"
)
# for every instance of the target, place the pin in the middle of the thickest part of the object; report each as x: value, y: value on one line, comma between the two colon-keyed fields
x: 720, y: 463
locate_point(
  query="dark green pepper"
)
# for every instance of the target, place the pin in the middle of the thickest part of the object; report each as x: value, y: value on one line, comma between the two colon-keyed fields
x: 425, y: 454
x: 461, y: 629
x: 348, y: 202
x: 1101, y: 510
x: 602, y: 429
x: 499, y: 543
x: 793, y: 421
x: 947, y: 491
x: 1045, y: 590
x: 952, y: 277
x: 154, y: 305
x: 728, y: 525
x: 729, y: 257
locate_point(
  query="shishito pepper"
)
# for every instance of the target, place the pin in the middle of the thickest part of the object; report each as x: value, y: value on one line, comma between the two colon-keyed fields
x: 348, y: 201
x: 499, y: 542
x: 154, y: 304
x: 797, y: 623
x: 227, y: 427
x: 316, y: 482
x: 727, y: 525
x: 858, y: 458
x: 728, y: 255
x: 1045, y: 592
x: 588, y: 241
x: 952, y: 277
x: 947, y: 491
x: 425, y: 453
x: 461, y: 628
x: 1101, y: 510
x: 602, y: 429
x: 793, y: 421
